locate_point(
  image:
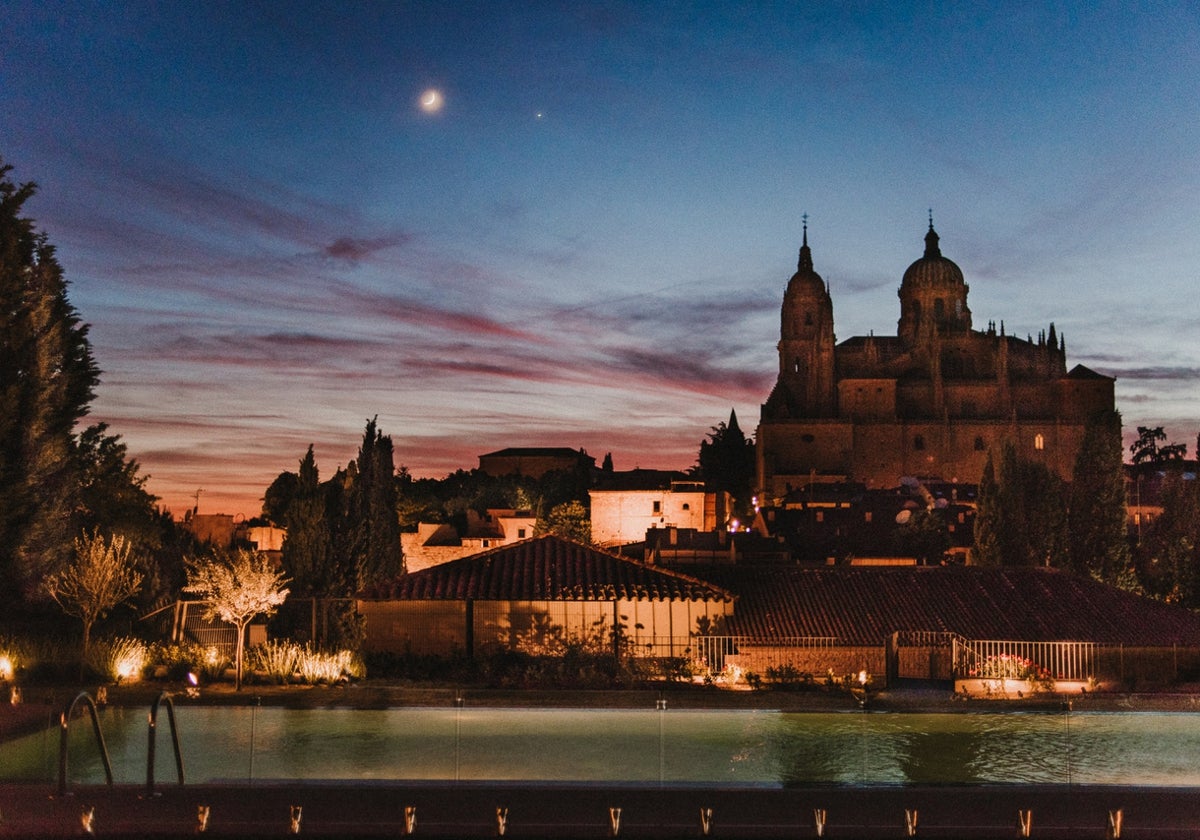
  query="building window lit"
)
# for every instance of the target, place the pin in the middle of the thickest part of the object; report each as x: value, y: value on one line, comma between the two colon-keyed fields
x: 867, y: 516
x: 1039, y: 442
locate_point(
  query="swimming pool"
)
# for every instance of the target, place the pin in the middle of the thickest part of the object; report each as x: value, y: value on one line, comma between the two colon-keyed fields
x: 727, y: 748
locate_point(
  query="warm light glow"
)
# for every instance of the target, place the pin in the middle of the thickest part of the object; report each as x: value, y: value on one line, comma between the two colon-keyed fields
x: 193, y: 679
x: 6, y: 667
x: 862, y: 678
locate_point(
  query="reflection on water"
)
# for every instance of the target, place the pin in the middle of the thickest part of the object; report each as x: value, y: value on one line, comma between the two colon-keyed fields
x: 615, y: 746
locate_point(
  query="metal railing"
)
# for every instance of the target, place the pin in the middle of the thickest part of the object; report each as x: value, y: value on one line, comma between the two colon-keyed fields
x: 708, y: 653
x: 990, y: 659
x: 64, y: 721
x: 150, y: 742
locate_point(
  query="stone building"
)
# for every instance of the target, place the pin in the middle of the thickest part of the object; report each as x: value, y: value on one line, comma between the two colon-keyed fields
x: 625, y: 505
x: 930, y: 401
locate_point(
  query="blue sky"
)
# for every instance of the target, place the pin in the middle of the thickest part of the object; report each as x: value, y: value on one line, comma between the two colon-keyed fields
x: 587, y: 246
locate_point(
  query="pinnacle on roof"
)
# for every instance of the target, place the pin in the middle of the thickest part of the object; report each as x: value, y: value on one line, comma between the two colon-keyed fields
x: 805, y: 263
x: 931, y: 240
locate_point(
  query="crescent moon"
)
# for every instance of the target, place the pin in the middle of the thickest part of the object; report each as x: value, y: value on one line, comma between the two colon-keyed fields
x: 431, y: 101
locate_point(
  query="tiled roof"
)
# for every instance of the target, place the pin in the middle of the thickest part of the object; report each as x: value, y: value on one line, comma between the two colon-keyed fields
x: 865, y: 605
x: 1082, y: 372
x: 639, y: 479
x: 537, y: 452
x: 547, y: 568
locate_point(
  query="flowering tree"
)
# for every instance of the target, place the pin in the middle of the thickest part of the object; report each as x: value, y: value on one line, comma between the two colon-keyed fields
x: 237, y: 587
x: 96, y: 580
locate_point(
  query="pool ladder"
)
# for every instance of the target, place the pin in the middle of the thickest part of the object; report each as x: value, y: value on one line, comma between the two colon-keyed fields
x: 90, y: 704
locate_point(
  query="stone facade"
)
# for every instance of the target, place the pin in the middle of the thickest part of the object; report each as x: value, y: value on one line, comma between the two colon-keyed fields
x: 930, y: 401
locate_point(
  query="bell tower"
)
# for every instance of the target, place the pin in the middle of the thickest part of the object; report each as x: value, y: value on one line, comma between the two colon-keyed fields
x: 806, y: 342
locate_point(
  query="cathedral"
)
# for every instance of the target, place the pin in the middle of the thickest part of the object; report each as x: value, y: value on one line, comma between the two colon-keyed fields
x: 930, y: 401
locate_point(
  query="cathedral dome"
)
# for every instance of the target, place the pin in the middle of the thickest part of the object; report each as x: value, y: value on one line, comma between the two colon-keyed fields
x: 933, y: 296
x: 933, y: 269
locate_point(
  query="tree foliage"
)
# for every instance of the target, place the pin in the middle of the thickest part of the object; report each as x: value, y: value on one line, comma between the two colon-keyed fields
x: 101, y: 576
x: 1169, y: 554
x: 1099, y: 543
x: 569, y: 520
x: 47, y: 378
x: 1021, y: 515
x: 1150, y: 449
x: 924, y: 536
x: 372, y: 497
x: 238, y: 586
x: 726, y: 463
x: 308, y: 548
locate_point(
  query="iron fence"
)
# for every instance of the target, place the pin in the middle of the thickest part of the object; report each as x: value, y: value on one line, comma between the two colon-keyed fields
x: 1072, y: 661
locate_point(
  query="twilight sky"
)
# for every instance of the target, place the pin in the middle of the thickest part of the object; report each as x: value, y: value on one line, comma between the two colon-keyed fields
x: 587, y: 244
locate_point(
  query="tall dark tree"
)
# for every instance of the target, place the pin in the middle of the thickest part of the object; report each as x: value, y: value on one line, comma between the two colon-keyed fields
x: 1169, y: 554
x: 377, y: 552
x: 1021, y: 513
x: 47, y: 379
x: 307, y: 548
x: 988, y: 517
x: 726, y: 462
x: 1098, y: 538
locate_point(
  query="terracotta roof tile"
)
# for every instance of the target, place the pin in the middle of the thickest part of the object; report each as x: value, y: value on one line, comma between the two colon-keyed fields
x: 865, y: 605
x: 547, y: 568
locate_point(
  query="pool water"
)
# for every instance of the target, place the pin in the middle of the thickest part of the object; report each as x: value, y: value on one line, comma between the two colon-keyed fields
x: 730, y: 748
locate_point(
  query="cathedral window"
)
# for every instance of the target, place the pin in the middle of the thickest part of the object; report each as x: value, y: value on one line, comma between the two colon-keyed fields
x: 939, y: 309
x: 1039, y: 443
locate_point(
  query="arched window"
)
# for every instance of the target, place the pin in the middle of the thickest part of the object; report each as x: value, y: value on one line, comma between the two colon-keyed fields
x: 1039, y: 442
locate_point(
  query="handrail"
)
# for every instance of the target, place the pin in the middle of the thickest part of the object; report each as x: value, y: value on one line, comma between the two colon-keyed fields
x: 62, y: 743
x: 166, y: 695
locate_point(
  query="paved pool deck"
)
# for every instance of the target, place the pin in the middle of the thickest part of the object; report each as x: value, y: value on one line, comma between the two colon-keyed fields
x: 568, y: 811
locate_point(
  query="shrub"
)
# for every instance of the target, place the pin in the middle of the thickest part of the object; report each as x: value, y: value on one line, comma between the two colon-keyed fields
x: 284, y: 661
x: 278, y: 660
x: 182, y: 658
x: 119, y: 659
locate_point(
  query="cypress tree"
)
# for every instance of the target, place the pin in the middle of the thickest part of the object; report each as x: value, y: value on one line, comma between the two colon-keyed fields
x: 987, y: 518
x: 377, y: 552
x: 47, y: 381
x: 306, y: 549
x: 1099, y: 544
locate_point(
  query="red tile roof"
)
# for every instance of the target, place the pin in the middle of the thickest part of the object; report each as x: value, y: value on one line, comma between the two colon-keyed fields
x: 547, y: 568
x: 865, y: 605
